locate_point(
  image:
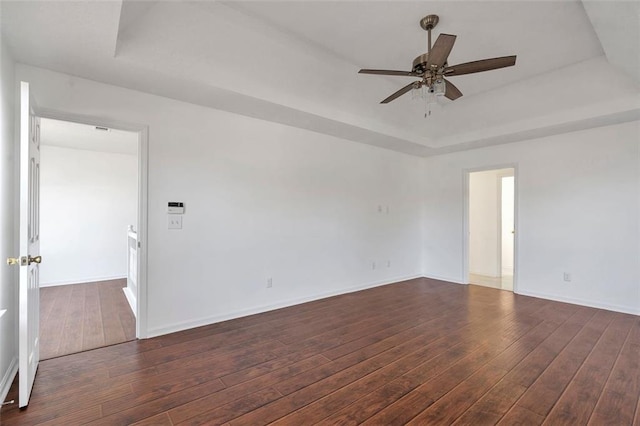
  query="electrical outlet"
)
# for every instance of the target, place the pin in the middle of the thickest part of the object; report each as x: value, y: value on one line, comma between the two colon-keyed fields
x: 388, y: 264
x: 373, y: 265
x: 567, y: 276
x: 175, y: 221
x: 269, y: 282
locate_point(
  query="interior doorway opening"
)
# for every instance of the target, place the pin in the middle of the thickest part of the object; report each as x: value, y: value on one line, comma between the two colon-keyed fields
x: 491, y: 228
x: 89, y: 210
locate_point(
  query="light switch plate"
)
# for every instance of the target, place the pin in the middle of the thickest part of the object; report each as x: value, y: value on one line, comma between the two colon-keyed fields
x: 175, y: 221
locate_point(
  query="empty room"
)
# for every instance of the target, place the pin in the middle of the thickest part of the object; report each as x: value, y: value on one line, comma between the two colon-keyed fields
x: 358, y: 212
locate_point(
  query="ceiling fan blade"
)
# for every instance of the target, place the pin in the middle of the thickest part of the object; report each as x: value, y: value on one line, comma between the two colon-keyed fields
x: 479, y: 66
x: 451, y: 91
x: 440, y: 50
x: 389, y: 72
x: 400, y: 92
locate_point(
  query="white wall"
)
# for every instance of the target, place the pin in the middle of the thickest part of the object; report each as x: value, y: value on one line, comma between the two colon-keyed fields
x: 483, y: 223
x: 8, y: 343
x: 578, y: 212
x: 88, y: 199
x: 262, y: 200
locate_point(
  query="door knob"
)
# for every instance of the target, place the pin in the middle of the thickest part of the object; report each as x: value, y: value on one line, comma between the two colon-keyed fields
x: 22, y: 261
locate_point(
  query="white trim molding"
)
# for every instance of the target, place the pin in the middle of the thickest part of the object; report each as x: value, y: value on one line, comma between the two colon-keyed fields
x: 83, y: 280
x: 159, y: 331
x: 131, y: 298
x: 582, y: 302
x: 445, y: 279
x: 7, y: 379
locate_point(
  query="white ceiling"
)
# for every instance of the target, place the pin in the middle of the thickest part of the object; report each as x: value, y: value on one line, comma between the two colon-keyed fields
x: 296, y: 62
x: 66, y: 134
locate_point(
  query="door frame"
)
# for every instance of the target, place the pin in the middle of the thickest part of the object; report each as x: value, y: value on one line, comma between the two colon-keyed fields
x: 499, y: 183
x: 465, y: 220
x: 143, y: 198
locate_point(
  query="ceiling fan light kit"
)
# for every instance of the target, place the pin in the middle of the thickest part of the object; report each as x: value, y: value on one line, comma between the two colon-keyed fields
x: 432, y: 68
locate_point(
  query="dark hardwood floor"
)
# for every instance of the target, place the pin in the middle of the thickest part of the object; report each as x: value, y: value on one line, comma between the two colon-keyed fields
x: 417, y: 352
x: 79, y: 317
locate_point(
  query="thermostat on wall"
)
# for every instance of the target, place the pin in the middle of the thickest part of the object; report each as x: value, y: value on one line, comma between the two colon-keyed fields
x: 176, y: 207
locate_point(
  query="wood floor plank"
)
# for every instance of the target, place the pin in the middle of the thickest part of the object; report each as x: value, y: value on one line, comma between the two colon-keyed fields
x: 259, y: 369
x: 343, y: 396
x: 159, y: 405
x: 498, y: 400
x: 74, y: 321
x: 52, y: 325
x: 112, y: 309
x: 317, y: 389
x: 41, y: 410
x: 384, y: 396
x: 448, y: 408
x: 309, y: 387
x: 80, y: 317
x: 157, y: 386
x: 230, y: 394
x: 549, y: 386
x: 161, y: 419
x: 492, y: 406
x: 522, y: 417
x: 622, y: 389
x: 420, y: 351
x: 581, y: 395
x: 428, y: 391
x: 92, y: 327
x: 530, y: 368
x: 476, y: 389
x: 236, y: 408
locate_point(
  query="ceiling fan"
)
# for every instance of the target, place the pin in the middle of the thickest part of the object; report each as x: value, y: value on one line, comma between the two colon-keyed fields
x: 432, y: 67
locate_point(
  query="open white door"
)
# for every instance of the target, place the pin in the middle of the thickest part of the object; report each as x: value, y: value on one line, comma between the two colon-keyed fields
x: 29, y: 293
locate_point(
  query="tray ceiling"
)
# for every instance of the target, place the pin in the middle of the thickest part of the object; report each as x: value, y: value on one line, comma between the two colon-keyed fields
x: 296, y: 62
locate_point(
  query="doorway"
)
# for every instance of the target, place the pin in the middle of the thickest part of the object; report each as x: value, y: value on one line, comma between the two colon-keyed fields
x: 88, y: 212
x: 491, y: 228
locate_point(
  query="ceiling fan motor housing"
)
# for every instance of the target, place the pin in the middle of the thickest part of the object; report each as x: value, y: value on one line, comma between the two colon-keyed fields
x: 420, y: 63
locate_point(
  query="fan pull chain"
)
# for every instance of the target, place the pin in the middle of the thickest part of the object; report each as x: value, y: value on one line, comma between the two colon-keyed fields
x: 427, y: 108
x: 427, y: 104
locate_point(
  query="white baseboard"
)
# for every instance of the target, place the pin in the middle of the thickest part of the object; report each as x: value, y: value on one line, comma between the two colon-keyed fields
x: 447, y: 279
x: 82, y: 280
x: 485, y: 274
x: 582, y: 302
x: 131, y: 298
x: 159, y: 331
x: 7, y: 379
